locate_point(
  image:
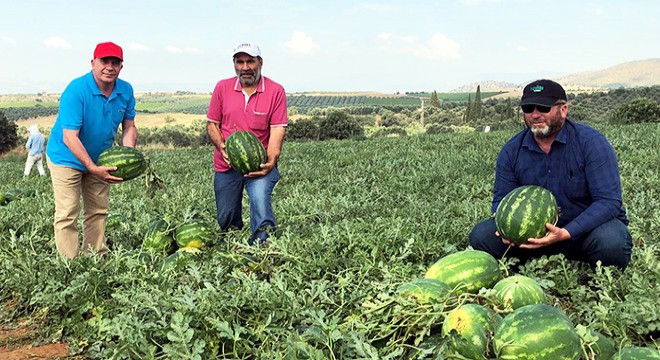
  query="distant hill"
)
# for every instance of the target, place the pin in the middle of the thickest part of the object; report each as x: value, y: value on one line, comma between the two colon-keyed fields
x: 627, y: 75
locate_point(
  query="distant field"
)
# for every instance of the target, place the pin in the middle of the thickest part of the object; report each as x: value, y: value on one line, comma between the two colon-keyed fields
x: 142, y: 120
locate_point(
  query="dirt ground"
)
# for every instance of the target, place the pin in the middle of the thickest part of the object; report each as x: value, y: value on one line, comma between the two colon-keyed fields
x: 18, y: 343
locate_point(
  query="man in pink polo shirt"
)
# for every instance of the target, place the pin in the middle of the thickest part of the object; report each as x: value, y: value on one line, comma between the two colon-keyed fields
x: 252, y: 102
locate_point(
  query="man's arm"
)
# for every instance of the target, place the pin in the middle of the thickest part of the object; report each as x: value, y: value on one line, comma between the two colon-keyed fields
x: 129, y: 133
x: 72, y: 141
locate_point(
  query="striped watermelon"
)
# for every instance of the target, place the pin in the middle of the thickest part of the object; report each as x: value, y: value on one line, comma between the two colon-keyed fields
x: 130, y: 162
x: 517, y: 291
x: 245, y: 151
x: 601, y: 349
x: 469, y: 328
x: 466, y: 271
x: 158, y: 238
x: 523, y: 213
x: 14, y: 194
x: 182, y: 257
x: 2, y: 199
x: 637, y: 353
x: 425, y: 290
x: 539, y: 332
x: 194, y: 233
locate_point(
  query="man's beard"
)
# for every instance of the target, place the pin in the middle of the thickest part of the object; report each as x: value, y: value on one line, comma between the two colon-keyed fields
x: 252, y: 81
x: 547, y: 131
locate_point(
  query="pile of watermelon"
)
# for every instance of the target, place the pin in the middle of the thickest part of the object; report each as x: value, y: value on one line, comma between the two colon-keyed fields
x: 178, y: 242
x: 504, y: 317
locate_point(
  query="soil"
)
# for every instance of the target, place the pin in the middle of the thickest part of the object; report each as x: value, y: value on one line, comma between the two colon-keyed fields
x: 21, y: 343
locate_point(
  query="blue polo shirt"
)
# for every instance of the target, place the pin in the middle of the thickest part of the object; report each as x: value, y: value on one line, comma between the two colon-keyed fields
x: 83, y: 107
x: 581, y: 171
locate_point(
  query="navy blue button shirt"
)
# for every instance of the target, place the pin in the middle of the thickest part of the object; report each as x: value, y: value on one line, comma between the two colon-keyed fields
x: 581, y: 171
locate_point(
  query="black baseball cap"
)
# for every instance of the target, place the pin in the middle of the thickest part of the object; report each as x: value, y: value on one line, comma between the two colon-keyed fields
x: 543, y: 92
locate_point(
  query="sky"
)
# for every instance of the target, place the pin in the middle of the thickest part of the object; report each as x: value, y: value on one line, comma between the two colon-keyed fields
x: 393, y: 46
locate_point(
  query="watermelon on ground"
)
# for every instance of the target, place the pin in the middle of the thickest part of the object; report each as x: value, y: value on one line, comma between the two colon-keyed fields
x: 523, y: 213
x: 425, y: 290
x: 159, y: 238
x: 517, y: 291
x: 130, y: 162
x: 13, y: 194
x: 602, y: 349
x: 539, y: 332
x: 245, y: 152
x: 469, y: 328
x: 194, y: 233
x: 466, y: 271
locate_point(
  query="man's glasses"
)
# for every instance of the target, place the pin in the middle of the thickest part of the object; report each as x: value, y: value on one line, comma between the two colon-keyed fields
x: 528, y: 109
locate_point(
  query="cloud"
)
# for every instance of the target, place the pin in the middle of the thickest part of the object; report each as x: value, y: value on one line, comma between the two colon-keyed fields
x: 302, y: 43
x: 57, y: 42
x: 7, y: 40
x: 177, y: 50
x: 138, y: 47
x: 438, y: 47
x: 522, y: 48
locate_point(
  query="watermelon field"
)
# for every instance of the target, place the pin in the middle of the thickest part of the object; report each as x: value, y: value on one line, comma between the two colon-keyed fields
x: 357, y: 219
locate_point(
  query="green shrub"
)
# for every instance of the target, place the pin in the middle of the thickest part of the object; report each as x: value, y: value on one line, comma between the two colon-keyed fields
x: 8, y: 134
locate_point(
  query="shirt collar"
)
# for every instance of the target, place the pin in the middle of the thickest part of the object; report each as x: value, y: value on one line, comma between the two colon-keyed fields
x: 530, y: 143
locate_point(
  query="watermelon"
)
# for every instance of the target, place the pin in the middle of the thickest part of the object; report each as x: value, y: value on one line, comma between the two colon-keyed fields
x: 523, y: 213
x: 182, y: 257
x: 637, y: 353
x: 601, y: 349
x: 517, y: 291
x: 469, y: 328
x: 194, y: 233
x: 130, y: 162
x: 158, y: 238
x: 466, y: 271
x: 245, y: 152
x: 425, y: 290
x: 539, y: 332
x: 2, y: 199
x: 13, y: 194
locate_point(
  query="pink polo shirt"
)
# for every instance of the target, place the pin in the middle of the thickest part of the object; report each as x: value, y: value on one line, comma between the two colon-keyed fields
x: 230, y: 107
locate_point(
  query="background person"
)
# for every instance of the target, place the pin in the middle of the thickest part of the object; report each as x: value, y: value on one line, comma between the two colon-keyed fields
x: 36, y: 144
x: 579, y: 166
x: 91, y: 110
x: 252, y: 102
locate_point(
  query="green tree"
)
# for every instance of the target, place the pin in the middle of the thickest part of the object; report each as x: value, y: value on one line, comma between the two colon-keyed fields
x: 641, y: 110
x: 435, y: 102
x: 8, y: 134
x: 475, y: 113
x: 339, y: 125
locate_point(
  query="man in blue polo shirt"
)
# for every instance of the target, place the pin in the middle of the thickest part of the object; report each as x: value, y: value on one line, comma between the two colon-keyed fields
x: 92, y: 108
x: 579, y: 166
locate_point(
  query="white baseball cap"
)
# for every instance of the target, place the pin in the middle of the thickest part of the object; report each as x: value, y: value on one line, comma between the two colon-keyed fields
x: 248, y: 48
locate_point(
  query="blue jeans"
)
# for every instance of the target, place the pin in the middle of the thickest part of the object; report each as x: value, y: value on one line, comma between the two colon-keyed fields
x: 228, y: 187
x: 611, y: 243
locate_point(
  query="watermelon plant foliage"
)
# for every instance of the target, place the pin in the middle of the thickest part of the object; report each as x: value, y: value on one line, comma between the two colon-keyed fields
x: 356, y: 219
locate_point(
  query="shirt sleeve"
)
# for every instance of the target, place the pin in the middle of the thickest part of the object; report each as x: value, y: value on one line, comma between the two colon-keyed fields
x: 71, y: 109
x: 280, y: 115
x: 604, y: 184
x: 214, y: 112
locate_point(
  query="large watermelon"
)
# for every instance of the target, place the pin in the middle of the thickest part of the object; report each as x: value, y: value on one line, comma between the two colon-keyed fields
x: 14, y: 194
x: 637, y: 353
x: 538, y: 332
x: 130, y: 162
x: 194, y: 233
x: 517, y: 291
x: 466, y: 271
x: 158, y: 238
x: 523, y: 213
x: 245, y: 151
x: 469, y: 328
x: 425, y: 290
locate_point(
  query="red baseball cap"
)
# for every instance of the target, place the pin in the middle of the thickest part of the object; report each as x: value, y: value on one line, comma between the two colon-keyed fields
x: 107, y: 49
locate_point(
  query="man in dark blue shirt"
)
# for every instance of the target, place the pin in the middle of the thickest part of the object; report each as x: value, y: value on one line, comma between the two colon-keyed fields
x: 578, y: 165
